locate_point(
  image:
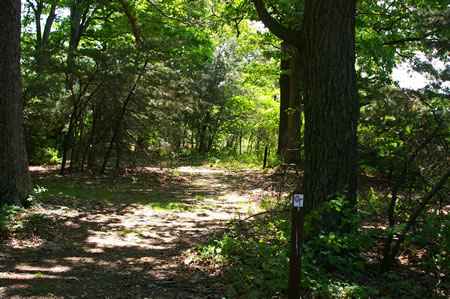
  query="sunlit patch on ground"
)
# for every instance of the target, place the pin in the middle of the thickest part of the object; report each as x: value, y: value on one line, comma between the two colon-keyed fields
x: 190, y: 170
x: 127, y: 238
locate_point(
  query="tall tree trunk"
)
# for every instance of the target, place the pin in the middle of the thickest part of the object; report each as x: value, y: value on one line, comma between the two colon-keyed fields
x: 295, y: 41
x: 331, y: 103
x: 15, y: 181
x: 284, y: 100
x: 77, y: 147
x: 295, y: 106
x: 76, y: 30
x: 92, y: 153
x: 214, y: 127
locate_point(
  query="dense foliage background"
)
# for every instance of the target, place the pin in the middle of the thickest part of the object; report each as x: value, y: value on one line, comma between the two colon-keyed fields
x: 114, y: 85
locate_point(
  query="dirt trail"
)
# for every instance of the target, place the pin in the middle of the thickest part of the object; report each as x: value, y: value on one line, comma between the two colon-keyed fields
x: 128, y: 247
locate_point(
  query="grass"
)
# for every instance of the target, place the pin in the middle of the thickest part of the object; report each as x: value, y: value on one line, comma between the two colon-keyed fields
x: 37, y: 290
x: 231, y: 161
x: 110, y: 192
x: 169, y: 206
x: 135, y: 190
x: 18, y: 221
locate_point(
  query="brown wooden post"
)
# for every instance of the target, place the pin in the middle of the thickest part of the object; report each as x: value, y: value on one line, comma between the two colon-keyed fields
x: 265, y: 156
x: 295, y: 260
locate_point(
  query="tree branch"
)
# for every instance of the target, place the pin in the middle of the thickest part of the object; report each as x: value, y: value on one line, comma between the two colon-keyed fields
x: 291, y: 36
x: 131, y: 18
x: 266, y: 212
x: 402, y: 41
x: 186, y: 22
x: 389, y: 259
x: 48, y: 25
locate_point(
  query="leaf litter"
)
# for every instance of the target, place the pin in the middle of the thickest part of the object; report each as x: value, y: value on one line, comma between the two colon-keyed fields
x: 123, y: 236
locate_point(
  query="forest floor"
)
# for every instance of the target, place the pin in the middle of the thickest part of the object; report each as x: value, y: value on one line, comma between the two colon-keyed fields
x: 124, y: 236
x: 131, y: 235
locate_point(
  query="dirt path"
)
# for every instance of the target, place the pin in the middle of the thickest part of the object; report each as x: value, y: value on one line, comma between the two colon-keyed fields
x: 125, y: 241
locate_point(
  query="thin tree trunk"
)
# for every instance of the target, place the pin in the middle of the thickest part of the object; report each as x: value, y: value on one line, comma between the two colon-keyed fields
x: 122, y: 114
x: 389, y: 255
x: 92, y: 140
x: 79, y: 22
x: 193, y: 141
x: 118, y: 154
x: 82, y: 146
x: 67, y: 143
x: 240, y: 143
x: 42, y: 38
x: 78, y: 108
x: 204, y: 127
x: 74, y: 151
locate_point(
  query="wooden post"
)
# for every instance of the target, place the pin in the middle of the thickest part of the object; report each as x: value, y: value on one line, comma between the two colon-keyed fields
x: 265, y: 156
x: 295, y: 260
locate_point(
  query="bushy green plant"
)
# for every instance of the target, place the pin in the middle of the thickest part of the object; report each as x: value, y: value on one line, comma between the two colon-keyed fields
x: 402, y: 288
x: 46, y: 155
x: 11, y: 219
x: 258, y: 256
x: 259, y: 260
x: 235, y: 162
x: 15, y: 220
x: 342, y: 249
x: 433, y: 234
x: 37, y: 191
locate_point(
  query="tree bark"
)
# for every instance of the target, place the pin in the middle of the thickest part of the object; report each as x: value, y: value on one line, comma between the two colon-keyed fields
x: 42, y: 38
x: 331, y: 103
x: 79, y: 21
x: 293, y: 154
x: 326, y: 44
x: 203, y: 133
x: 15, y: 181
x: 293, y: 39
x: 284, y: 100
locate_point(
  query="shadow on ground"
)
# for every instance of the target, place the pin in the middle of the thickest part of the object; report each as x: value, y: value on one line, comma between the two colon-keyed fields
x: 124, y: 236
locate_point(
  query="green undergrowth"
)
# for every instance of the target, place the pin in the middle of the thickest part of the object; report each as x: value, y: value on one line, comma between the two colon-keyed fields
x: 232, y: 161
x: 20, y: 222
x: 72, y: 191
x: 255, y: 256
x: 72, y: 194
x: 133, y: 191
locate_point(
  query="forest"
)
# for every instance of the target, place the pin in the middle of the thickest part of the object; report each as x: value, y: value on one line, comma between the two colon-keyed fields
x: 151, y: 148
